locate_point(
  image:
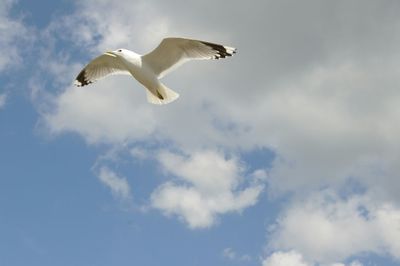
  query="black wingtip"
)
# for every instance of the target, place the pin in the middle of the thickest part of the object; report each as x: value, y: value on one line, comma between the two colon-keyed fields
x: 81, y: 80
x: 222, y: 51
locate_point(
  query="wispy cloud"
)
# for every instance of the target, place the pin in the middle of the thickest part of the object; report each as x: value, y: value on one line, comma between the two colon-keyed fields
x: 118, y: 185
x: 231, y: 254
x: 13, y: 33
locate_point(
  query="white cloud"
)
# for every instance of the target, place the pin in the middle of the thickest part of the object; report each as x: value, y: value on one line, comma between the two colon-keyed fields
x: 209, y: 186
x: 101, y: 114
x: 326, y: 228
x: 328, y: 126
x: 119, y: 186
x: 294, y: 258
x: 3, y: 98
x: 291, y: 258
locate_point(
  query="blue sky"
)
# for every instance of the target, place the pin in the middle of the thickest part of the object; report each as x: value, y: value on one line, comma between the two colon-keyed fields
x: 285, y: 154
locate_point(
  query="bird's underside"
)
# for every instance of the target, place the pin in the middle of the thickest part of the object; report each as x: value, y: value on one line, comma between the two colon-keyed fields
x: 149, y: 68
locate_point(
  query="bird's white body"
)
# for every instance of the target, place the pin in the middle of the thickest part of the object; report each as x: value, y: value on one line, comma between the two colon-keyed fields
x: 157, y: 92
x: 148, y: 69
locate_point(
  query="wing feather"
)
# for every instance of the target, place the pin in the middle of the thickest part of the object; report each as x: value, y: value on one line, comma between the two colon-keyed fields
x: 98, y: 68
x: 173, y: 52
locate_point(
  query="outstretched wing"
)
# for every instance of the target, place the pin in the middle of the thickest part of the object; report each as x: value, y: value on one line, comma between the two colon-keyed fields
x: 100, y: 67
x: 173, y: 52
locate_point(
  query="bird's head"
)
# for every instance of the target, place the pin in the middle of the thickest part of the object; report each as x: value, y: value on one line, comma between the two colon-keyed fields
x: 116, y: 53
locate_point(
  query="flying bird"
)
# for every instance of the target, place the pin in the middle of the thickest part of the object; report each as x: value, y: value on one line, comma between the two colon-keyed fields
x: 150, y: 68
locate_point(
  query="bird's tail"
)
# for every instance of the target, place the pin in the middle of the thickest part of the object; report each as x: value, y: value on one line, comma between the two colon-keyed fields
x: 161, y: 95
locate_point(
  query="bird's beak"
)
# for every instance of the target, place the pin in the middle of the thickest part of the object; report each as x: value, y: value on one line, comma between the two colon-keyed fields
x: 110, y: 54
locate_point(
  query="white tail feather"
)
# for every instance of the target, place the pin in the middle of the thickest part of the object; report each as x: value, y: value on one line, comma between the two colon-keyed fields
x: 166, y: 95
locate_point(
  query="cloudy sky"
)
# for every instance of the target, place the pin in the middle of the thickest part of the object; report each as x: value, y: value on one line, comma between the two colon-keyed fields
x: 285, y: 154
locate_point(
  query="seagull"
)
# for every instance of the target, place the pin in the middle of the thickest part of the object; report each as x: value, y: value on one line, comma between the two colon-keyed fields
x: 150, y: 68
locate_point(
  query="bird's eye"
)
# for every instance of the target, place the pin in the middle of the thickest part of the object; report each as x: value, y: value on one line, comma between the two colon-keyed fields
x: 120, y: 50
